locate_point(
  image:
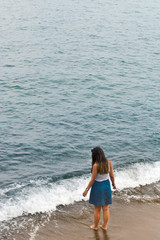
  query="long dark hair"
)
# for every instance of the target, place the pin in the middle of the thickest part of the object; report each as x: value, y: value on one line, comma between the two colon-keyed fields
x: 99, y: 157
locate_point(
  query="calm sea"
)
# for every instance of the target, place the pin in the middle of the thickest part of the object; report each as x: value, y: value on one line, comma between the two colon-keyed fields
x: 75, y: 75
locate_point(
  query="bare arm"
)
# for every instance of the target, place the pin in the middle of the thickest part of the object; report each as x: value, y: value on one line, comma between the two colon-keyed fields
x: 111, y: 174
x: 93, y: 177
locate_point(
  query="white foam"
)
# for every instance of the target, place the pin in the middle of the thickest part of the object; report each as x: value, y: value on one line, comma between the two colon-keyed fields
x: 33, y: 234
x: 137, y: 174
x: 45, y: 198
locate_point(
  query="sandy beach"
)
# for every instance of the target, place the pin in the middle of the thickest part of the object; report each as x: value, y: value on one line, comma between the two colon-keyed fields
x: 128, y: 221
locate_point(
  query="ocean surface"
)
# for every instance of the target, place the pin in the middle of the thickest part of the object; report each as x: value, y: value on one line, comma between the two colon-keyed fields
x: 75, y: 75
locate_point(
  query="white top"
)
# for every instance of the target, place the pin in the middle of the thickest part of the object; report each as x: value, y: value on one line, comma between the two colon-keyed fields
x: 103, y: 177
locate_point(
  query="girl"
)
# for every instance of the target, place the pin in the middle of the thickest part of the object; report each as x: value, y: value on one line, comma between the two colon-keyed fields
x: 100, y: 195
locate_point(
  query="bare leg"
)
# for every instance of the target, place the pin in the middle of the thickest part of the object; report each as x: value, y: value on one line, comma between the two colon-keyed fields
x: 105, y: 217
x: 97, y: 211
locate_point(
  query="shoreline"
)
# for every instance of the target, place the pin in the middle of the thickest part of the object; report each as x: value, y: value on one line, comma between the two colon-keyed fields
x: 128, y: 221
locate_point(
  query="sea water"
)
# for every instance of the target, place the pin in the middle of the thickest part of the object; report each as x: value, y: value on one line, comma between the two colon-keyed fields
x: 75, y: 75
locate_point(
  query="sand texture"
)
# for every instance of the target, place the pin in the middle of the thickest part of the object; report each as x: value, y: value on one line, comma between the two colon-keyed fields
x: 127, y: 222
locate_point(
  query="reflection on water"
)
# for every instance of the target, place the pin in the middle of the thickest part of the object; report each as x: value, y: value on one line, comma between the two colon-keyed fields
x: 103, y: 236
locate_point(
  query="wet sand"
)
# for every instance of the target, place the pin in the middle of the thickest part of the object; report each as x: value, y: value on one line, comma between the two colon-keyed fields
x: 128, y: 221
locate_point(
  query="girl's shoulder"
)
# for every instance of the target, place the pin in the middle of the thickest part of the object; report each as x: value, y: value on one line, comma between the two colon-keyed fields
x: 95, y: 165
x: 110, y: 163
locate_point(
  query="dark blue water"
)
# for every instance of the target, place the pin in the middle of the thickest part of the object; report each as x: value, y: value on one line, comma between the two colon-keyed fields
x: 74, y: 75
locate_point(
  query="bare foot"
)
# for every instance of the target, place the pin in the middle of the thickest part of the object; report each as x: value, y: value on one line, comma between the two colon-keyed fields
x: 93, y: 227
x: 104, y: 228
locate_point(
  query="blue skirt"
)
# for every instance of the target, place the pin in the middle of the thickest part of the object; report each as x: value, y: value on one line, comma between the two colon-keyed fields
x: 101, y: 193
